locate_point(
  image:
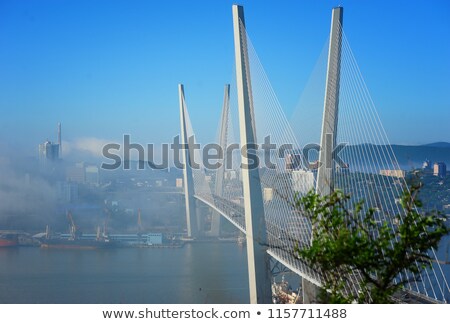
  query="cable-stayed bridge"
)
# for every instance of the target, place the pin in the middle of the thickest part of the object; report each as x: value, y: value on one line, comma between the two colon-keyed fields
x: 260, y: 199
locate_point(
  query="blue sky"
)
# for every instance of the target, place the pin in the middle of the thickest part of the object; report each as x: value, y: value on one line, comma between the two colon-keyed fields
x: 104, y: 68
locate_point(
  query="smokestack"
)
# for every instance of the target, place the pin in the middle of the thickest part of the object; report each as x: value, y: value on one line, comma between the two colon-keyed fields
x: 59, y: 140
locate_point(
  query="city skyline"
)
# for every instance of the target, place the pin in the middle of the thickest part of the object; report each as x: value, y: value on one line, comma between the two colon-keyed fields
x: 104, y: 69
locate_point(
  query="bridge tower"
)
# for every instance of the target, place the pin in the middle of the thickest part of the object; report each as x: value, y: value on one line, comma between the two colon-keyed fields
x: 325, y: 174
x: 255, y: 224
x: 188, y: 180
x: 223, y: 135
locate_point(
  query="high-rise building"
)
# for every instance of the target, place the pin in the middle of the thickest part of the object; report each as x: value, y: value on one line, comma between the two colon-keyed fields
x: 92, y: 175
x: 440, y: 169
x: 67, y: 192
x: 76, y: 173
x: 426, y: 166
x: 48, y: 151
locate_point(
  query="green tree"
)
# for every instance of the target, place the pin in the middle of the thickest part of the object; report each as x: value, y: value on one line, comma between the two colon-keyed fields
x: 349, y: 243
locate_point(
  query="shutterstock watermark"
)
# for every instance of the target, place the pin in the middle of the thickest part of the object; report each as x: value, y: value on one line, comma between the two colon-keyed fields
x: 212, y: 156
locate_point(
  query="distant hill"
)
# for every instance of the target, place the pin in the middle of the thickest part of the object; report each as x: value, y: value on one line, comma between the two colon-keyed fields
x: 409, y: 156
x: 438, y: 144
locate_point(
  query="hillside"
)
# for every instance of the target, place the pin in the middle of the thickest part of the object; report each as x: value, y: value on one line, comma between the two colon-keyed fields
x: 413, y: 156
x: 408, y: 156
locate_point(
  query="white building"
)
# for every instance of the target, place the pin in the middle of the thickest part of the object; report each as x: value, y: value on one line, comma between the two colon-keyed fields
x: 302, y: 181
x: 268, y: 194
x: 179, y: 183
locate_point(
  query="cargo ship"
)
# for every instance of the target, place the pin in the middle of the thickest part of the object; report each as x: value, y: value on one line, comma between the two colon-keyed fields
x: 79, y: 243
x: 77, y: 240
x: 8, y: 240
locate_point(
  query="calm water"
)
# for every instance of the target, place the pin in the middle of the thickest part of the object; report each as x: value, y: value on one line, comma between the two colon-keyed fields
x: 196, y: 273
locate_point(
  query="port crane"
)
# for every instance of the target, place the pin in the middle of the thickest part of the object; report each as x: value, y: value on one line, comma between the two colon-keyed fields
x: 74, y: 231
x: 103, y: 236
x: 139, y: 225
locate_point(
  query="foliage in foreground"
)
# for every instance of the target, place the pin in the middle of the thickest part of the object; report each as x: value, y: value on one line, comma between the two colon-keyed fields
x: 350, y: 241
